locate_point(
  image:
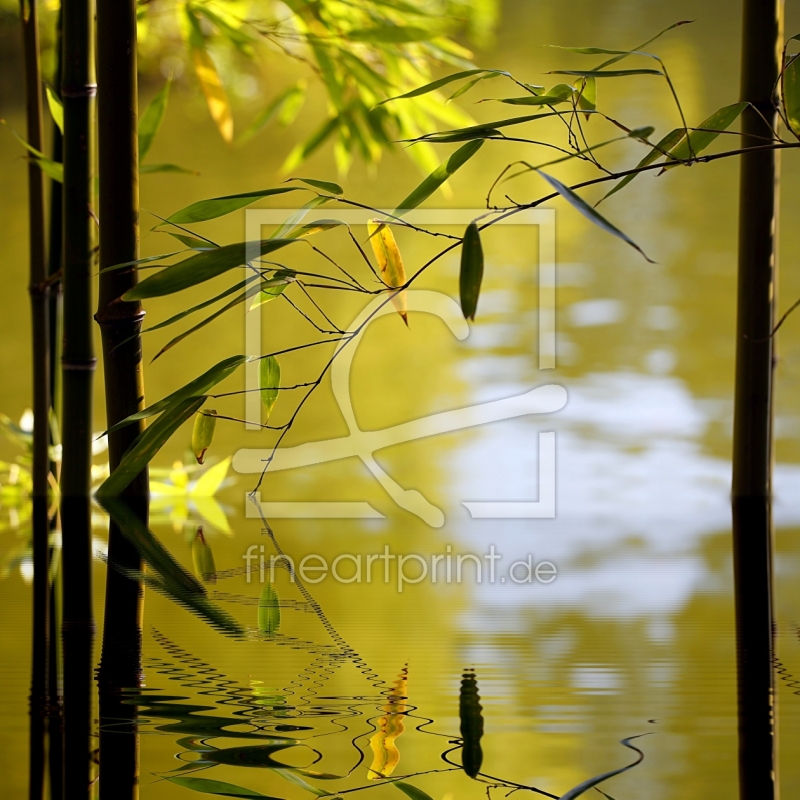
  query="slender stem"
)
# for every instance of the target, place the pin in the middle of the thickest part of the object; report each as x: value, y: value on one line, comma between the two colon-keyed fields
x: 120, y: 328
x: 752, y: 434
x: 78, y: 364
x: 41, y: 401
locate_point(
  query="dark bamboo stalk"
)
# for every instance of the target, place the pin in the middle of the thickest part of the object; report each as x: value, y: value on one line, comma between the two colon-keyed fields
x: 120, y: 326
x: 752, y: 436
x: 78, y: 364
x: 41, y: 402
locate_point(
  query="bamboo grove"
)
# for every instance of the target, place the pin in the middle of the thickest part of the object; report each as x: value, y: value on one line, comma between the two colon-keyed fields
x: 375, y: 100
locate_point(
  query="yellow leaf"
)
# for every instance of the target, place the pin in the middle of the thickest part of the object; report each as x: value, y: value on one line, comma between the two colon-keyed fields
x: 385, y: 754
x: 211, y: 511
x: 208, y: 483
x: 214, y: 91
x: 390, y: 262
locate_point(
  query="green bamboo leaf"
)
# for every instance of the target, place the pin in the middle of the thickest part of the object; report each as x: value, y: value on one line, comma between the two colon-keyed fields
x: 151, y: 169
x: 203, y: 557
x: 201, y: 267
x: 471, y: 271
x: 606, y: 73
x: 411, y: 791
x: 592, y: 782
x: 203, y: 433
x: 152, y: 551
x: 286, y: 106
x: 325, y: 186
x: 437, y: 84
x: 270, y: 293
x: 283, y: 231
x: 471, y: 716
x: 269, y: 611
x: 292, y: 777
x: 52, y: 169
x: 439, y: 176
x: 204, y: 210
x: 238, y: 37
x: 587, y: 99
x: 304, y: 149
x: 191, y: 242
x: 578, y: 203
x: 151, y: 120
x: 269, y: 381
x: 208, y: 786
x: 699, y: 140
x: 56, y: 108
x: 791, y: 94
x: 602, y: 51
x: 142, y: 261
x: 664, y: 146
x: 467, y: 86
x: 199, y: 386
x: 392, y: 34
x: 147, y: 444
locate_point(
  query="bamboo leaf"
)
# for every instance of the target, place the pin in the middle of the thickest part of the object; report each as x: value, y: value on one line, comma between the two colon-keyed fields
x: 699, y: 140
x: 304, y: 149
x: 199, y: 386
x: 325, y: 186
x: 269, y: 381
x: 56, y: 108
x: 147, y: 444
x: 471, y: 716
x: 292, y: 777
x: 411, y: 791
x: 606, y: 73
x: 139, y: 262
x: 209, y: 483
x: 791, y: 94
x: 201, y: 267
x: 204, y: 210
x: 664, y: 146
x: 578, y: 203
x: 191, y: 242
x: 439, y: 176
x: 286, y: 106
x: 390, y: 263
x: 151, y: 120
x: 587, y: 99
x: 203, y: 433
x: 152, y: 169
x: 270, y: 293
x: 471, y: 271
x: 269, y: 611
x: 208, y: 786
x: 212, y: 87
x: 203, y: 558
x: 52, y: 169
x: 437, y: 84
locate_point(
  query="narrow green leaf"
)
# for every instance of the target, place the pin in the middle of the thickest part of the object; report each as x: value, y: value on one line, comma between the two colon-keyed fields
x: 699, y: 140
x: 270, y: 293
x: 269, y: 611
x: 437, y: 84
x: 199, y: 386
x: 439, y: 176
x: 208, y: 786
x: 145, y: 446
x: 411, y: 791
x: 292, y: 777
x: 286, y: 106
x: 534, y: 100
x: 467, y: 86
x: 191, y: 242
x: 325, y: 186
x: 151, y: 120
x: 664, y: 146
x: 304, y: 149
x: 151, y: 169
x: 56, y: 108
x: 269, y: 381
x: 204, y: 210
x: 601, y: 51
x: 471, y: 271
x: 201, y: 267
x: 471, y: 717
x: 52, y: 169
x: 141, y: 261
x: 578, y: 203
x: 791, y: 94
x: 606, y: 73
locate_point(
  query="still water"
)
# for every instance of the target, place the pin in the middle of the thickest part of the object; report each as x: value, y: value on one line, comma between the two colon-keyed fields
x: 634, y: 635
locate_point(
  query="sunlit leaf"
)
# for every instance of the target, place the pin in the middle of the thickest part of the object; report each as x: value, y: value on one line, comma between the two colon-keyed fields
x: 471, y: 716
x: 203, y: 433
x: 267, y: 294
x: 286, y: 106
x: 791, y: 94
x: 151, y: 120
x: 203, y: 558
x: 269, y: 381
x: 211, y: 480
x: 663, y: 147
x: 587, y: 99
x: 711, y: 127
x: 56, y: 108
x: 325, y: 186
x: 578, y: 203
x: 269, y: 611
x: 437, y: 84
x: 147, y: 444
x: 202, y: 267
x: 471, y: 271
x: 216, y: 97
x: 204, y: 210
x: 193, y: 389
x: 439, y: 176
x: 390, y: 262
x: 208, y: 786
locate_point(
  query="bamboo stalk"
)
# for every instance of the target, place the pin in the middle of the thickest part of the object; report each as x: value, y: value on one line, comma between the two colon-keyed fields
x: 752, y: 436
x: 120, y: 326
x: 41, y: 403
x: 78, y: 364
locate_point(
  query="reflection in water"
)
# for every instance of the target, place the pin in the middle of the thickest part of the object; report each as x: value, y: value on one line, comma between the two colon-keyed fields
x: 390, y: 727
